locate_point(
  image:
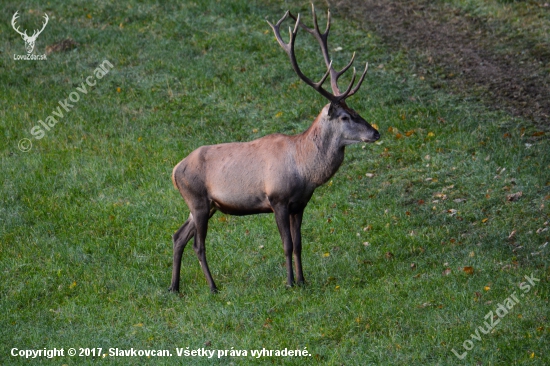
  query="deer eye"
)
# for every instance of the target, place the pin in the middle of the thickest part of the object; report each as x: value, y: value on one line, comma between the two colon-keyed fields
x: 345, y: 118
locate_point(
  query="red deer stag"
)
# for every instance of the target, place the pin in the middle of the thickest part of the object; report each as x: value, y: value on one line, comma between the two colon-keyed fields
x: 276, y: 173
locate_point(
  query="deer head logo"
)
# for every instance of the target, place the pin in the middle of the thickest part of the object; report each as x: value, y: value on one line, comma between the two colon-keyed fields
x: 29, y: 40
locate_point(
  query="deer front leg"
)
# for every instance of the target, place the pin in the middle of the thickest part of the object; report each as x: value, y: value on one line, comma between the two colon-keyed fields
x: 295, y: 230
x: 282, y: 218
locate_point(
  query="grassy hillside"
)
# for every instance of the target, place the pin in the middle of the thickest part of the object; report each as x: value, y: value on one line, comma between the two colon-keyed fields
x: 406, y: 249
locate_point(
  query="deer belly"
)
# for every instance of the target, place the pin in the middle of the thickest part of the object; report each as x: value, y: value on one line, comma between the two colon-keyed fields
x: 243, y: 206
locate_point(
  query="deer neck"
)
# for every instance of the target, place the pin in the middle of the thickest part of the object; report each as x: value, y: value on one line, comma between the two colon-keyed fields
x: 320, y: 151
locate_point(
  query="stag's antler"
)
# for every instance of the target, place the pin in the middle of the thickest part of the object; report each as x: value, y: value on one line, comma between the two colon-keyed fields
x: 322, y: 39
x: 337, y: 95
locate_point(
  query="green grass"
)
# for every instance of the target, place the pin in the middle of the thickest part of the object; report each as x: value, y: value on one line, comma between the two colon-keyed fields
x: 87, y: 215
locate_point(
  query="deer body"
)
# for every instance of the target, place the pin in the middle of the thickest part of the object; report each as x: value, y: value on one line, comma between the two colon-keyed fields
x: 276, y: 173
x: 240, y: 177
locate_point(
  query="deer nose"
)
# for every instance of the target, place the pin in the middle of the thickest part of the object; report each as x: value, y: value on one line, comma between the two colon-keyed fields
x: 376, y: 135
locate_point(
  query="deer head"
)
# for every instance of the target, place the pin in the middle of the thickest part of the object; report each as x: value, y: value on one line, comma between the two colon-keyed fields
x: 29, y: 40
x: 353, y: 128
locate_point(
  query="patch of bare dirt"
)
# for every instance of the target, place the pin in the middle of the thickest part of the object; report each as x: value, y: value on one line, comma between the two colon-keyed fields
x: 61, y: 46
x: 463, y: 52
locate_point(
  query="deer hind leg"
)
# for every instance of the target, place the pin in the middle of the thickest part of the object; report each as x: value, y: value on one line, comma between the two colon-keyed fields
x: 201, y: 218
x: 295, y: 230
x: 180, y: 239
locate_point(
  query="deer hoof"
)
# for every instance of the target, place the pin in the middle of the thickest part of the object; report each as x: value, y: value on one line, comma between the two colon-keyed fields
x: 173, y: 290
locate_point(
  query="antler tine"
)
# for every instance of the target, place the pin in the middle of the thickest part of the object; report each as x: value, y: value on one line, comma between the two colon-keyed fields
x: 350, y: 91
x: 325, y: 77
x: 321, y: 37
x: 341, y: 72
x: 359, y: 82
x: 328, y: 19
x: 289, y: 49
x: 345, y: 94
x: 276, y: 30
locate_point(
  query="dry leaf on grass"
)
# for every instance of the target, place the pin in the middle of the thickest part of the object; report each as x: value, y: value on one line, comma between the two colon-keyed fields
x: 514, y: 197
